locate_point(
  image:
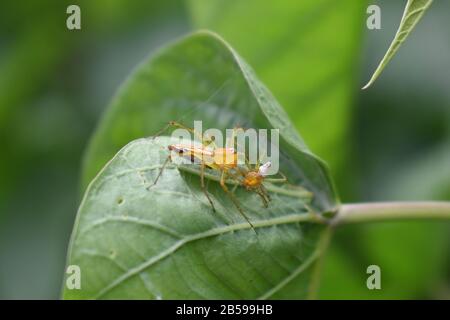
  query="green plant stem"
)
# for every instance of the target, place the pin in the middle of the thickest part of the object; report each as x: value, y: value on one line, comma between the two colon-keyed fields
x: 387, y: 211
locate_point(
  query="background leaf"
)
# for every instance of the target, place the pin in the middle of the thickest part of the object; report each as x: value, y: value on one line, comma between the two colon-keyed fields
x: 414, y: 11
x: 167, y: 243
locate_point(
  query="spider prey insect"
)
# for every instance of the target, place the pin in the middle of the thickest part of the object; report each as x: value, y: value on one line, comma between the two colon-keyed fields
x: 225, y: 162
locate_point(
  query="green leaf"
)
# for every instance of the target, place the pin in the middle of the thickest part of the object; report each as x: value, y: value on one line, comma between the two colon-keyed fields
x: 177, y: 84
x: 306, y: 53
x: 413, y: 12
x: 167, y: 242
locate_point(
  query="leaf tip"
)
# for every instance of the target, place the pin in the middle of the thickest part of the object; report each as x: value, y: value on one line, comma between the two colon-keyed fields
x: 368, y: 84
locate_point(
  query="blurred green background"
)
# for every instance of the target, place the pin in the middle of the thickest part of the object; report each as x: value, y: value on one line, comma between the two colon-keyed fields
x: 390, y: 142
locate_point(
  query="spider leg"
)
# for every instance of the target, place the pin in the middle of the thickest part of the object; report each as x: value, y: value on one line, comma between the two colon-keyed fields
x: 205, y: 141
x: 283, y: 178
x: 157, y: 134
x: 233, y: 199
x: 202, y: 183
x: 168, y: 159
x: 263, y: 197
x: 266, y: 193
